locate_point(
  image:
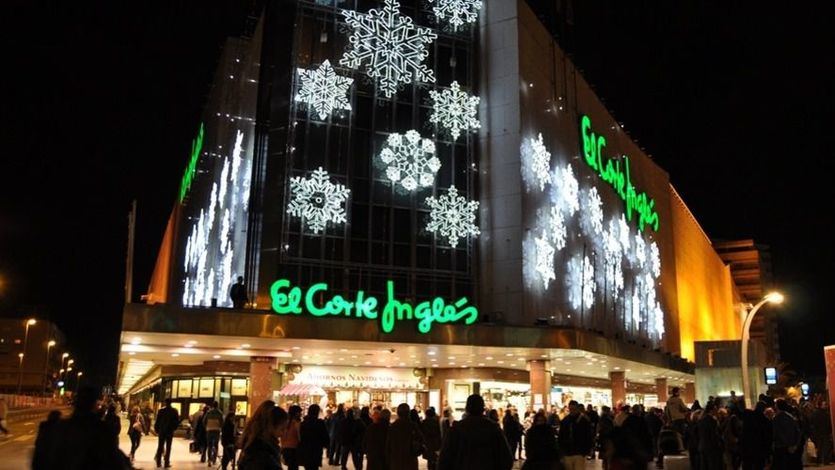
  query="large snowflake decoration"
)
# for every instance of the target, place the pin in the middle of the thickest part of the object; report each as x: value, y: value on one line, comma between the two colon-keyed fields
x: 317, y: 200
x: 411, y: 160
x: 455, y: 110
x: 624, y: 234
x: 636, y: 308
x: 658, y: 320
x: 545, y: 259
x: 390, y: 45
x: 654, y: 259
x: 323, y: 90
x: 568, y: 189
x: 457, y: 12
x: 540, y: 161
x: 613, y: 256
x: 593, y: 216
x: 452, y: 216
x: 557, y: 231
x: 588, y: 283
x: 640, y: 250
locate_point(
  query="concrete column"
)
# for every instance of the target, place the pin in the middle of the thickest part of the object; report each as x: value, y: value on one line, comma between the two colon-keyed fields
x: 260, y: 381
x: 618, y: 378
x: 540, y: 378
x: 661, y: 389
x: 688, y: 393
x: 829, y: 357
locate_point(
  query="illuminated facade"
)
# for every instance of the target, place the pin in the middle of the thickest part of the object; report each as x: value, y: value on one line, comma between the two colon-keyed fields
x: 478, y: 220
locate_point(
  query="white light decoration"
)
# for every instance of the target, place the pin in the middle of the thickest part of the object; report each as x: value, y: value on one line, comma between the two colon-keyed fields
x: 593, y: 213
x: 323, y: 90
x: 556, y: 228
x: 455, y: 110
x: 218, y: 237
x: 636, y: 308
x: 540, y: 162
x: 624, y: 234
x: 318, y: 201
x: 613, y: 255
x: 658, y: 320
x: 411, y: 160
x: 568, y: 189
x: 390, y: 45
x: 640, y: 250
x: 588, y: 283
x: 457, y: 12
x: 654, y: 259
x: 452, y: 216
x: 545, y: 260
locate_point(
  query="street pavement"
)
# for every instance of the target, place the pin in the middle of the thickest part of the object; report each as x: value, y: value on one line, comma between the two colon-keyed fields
x: 16, y: 449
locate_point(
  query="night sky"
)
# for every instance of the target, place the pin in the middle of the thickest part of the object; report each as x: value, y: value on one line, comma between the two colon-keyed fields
x: 98, y: 106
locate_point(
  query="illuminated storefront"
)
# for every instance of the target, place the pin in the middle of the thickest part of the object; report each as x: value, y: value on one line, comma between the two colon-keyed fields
x: 465, y: 218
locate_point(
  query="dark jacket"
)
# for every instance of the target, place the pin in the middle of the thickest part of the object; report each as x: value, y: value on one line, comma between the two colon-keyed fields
x: 638, y: 431
x: 786, y: 431
x: 475, y: 443
x: 82, y: 442
x: 757, y: 436
x: 228, y: 433
x: 374, y: 445
x: 260, y: 455
x: 314, y: 438
x: 431, y: 430
x: 403, y: 445
x: 512, y: 429
x: 575, y: 435
x: 710, y: 443
x: 541, y: 447
x: 167, y: 421
x: 351, y: 431
x: 114, y: 426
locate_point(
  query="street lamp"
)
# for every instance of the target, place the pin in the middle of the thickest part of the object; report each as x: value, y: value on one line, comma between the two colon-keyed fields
x: 28, y: 323
x: 771, y: 298
x: 78, y: 380
x: 49, y: 346
x: 19, y: 372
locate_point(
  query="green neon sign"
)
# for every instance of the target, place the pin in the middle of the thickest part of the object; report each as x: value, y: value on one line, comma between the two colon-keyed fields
x: 615, y: 171
x: 191, y: 169
x: 289, y: 299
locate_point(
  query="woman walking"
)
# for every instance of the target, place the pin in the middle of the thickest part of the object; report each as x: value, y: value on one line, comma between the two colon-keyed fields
x: 290, y: 438
x: 136, y: 427
x: 260, y: 439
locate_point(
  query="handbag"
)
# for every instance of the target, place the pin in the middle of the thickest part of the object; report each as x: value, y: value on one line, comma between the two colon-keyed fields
x: 192, y: 447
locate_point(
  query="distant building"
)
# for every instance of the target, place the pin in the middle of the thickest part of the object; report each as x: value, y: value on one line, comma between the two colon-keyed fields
x: 750, y: 265
x: 36, y: 368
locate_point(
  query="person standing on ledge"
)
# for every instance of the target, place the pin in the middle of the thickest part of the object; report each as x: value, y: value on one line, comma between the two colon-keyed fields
x: 238, y: 294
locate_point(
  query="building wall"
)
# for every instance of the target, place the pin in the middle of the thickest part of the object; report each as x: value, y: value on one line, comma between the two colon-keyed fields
x: 706, y: 303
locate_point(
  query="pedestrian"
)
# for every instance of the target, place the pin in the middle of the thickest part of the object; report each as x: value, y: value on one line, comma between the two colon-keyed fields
x: 636, y: 429
x: 374, y: 441
x: 475, y: 442
x: 594, y: 420
x: 787, y: 438
x: 605, y: 427
x: 365, y: 416
x: 710, y: 440
x: 431, y: 430
x: 404, y: 443
x: 334, y: 426
x: 822, y: 433
x: 228, y: 440
x: 493, y: 416
x: 512, y: 429
x: 757, y: 437
x: 575, y: 438
x: 446, y: 423
x: 260, y: 438
x: 414, y: 415
x: 198, y: 428
x: 81, y: 442
x: 350, y: 436
x: 4, y: 411
x: 166, y: 423
x: 212, y: 424
x: 237, y: 293
x: 136, y: 426
x: 113, y: 423
x: 731, y: 435
x: 654, y: 425
x: 691, y: 433
x: 675, y: 412
x: 291, y: 437
x: 147, y: 413
x: 541, y: 451
x: 314, y: 438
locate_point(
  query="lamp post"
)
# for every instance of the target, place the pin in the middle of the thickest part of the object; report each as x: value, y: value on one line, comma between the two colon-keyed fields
x: 772, y: 298
x: 49, y: 346
x: 78, y: 380
x: 28, y: 323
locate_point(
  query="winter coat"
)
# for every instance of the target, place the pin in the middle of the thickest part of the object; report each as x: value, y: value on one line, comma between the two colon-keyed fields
x: 512, y: 429
x: 167, y: 421
x: 541, y: 445
x: 475, y: 443
x: 374, y: 445
x: 431, y: 430
x: 314, y: 438
x: 228, y: 433
x: 786, y: 431
x: 404, y: 444
x: 757, y: 436
x: 260, y: 455
x: 575, y: 435
x: 710, y: 443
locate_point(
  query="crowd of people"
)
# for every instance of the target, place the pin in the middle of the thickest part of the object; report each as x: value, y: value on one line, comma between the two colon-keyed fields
x: 721, y: 435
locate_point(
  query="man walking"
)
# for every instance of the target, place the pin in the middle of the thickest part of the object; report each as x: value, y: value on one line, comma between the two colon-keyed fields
x: 676, y: 411
x: 166, y: 423
x: 238, y: 294
x: 213, y: 423
x: 575, y: 437
x: 475, y: 442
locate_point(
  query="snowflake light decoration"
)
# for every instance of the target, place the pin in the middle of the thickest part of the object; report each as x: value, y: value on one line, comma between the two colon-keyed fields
x: 411, y: 160
x: 654, y: 259
x: 568, y: 189
x: 452, y: 216
x: 588, y: 283
x: 459, y: 12
x: 594, y: 211
x: 545, y: 259
x: 390, y: 45
x: 613, y: 255
x: 624, y: 234
x: 317, y: 200
x: 455, y: 110
x: 540, y: 161
x: 640, y: 250
x: 636, y: 308
x: 658, y: 320
x: 557, y: 231
x: 323, y: 90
